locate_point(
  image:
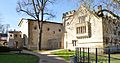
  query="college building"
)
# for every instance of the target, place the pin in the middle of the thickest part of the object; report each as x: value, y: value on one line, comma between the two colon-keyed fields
x: 86, y: 28
x: 52, y: 34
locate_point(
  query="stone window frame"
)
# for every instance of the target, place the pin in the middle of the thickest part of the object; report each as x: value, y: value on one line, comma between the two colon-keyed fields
x: 48, y: 29
x: 118, y: 33
x: 68, y: 23
x: 20, y: 35
x: 53, y: 32
x: 35, y: 27
x: 74, y: 42
x: 114, y: 31
x: 82, y: 19
x: 11, y: 35
x: 60, y: 30
x: 16, y: 35
x: 81, y: 30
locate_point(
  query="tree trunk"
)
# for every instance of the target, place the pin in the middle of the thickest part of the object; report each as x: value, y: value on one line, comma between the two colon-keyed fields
x: 41, y: 25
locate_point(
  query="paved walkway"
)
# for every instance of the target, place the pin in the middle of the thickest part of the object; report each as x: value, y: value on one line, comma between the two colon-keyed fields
x: 46, y: 57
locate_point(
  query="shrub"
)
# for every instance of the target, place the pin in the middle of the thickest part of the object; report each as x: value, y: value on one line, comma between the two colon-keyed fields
x: 4, y: 49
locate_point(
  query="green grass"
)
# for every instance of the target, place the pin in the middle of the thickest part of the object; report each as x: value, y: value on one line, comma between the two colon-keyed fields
x: 17, y: 58
x: 64, y: 54
x: 39, y: 50
x: 115, y: 58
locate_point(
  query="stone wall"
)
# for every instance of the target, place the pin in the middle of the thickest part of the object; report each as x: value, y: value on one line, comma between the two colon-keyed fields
x: 15, y: 39
x: 51, y: 35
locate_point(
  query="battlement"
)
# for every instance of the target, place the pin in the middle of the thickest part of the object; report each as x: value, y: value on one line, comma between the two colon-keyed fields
x: 67, y: 14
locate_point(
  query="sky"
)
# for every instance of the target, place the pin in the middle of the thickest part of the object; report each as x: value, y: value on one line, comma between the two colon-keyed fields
x: 8, y: 14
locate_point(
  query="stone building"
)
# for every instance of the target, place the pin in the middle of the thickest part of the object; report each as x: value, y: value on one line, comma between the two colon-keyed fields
x: 15, y: 39
x: 86, y: 28
x: 3, y: 39
x: 51, y: 35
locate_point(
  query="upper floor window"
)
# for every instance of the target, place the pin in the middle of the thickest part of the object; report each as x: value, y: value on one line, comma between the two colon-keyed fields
x: 10, y: 35
x: 81, y: 30
x: 114, y: 32
x: 35, y: 28
x: 48, y: 29
x: 59, y: 30
x: 68, y: 23
x: 20, y: 35
x: 118, y: 33
x: 53, y: 32
x: 81, y: 19
x: 15, y: 35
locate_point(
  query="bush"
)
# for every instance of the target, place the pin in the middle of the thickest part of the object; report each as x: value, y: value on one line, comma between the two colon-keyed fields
x: 4, y: 49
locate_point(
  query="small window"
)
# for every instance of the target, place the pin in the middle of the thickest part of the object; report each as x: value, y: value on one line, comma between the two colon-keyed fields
x: 81, y: 19
x: 114, y: 32
x: 53, y: 32
x: 48, y: 29
x: 35, y: 28
x: 10, y: 35
x: 113, y: 22
x: 107, y: 40
x: 68, y: 23
x: 15, y: 35
x: 74, y: 42
x: 20, y: 35
x: 115, y: 41
x: 118, y: 33
x: 59, y: 30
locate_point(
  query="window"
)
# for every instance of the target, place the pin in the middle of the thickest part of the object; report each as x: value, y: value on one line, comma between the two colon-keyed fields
x: 68, y: 23
x: 114, y: 32
x: 24, y: 41
x: 48, y: 29
x: 74, y: 42
x: 53, y: 32
x: 10, y: 35
x: 20, y: 35
x: 115, y: 41
x: 59, y: 30
x: 15, y: 35
x: 118, y: 33
x: 35, y: 28
x: 81, y: 30
x: 81, y: 19
x: 107, y: 40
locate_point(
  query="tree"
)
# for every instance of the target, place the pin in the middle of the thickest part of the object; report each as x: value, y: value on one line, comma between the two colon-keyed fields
x: 36, y: 9
x: 111, y: 5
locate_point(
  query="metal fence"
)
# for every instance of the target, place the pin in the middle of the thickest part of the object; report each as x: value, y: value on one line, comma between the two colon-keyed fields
x: 92, y: 55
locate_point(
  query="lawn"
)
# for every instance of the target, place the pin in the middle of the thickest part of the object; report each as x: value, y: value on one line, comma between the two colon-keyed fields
x: 115, y: 58
x: 64, y: 54
x: 17, y: 58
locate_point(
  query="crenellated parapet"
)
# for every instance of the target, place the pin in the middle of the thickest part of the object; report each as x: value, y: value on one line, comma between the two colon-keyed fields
x: 68, y: 14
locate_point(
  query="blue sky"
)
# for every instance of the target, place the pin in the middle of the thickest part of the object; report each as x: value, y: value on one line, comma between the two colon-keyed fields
x: 8, y: 14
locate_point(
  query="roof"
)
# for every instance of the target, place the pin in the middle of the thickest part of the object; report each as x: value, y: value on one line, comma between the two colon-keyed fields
x: 44, y: 21
x: 15, y: 32
x: 3, y: 35
x: 36, y: 20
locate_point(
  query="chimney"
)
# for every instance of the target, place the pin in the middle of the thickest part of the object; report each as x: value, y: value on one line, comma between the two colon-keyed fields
x: 99, y: 7
x: 100, y: 14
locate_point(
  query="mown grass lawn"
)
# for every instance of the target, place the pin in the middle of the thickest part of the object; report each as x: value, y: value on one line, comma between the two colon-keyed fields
x: 17, y: 58
x: 115, y: 58
x: 64, y: 54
